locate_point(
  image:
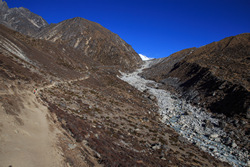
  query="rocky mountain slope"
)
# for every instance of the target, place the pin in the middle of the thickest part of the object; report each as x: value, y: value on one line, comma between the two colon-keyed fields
x: 93, y: 117
x: 48, y: 58
x: 21, y: 19
x: 94, y: 41
x: 215, y: 76
x: 89, y: 38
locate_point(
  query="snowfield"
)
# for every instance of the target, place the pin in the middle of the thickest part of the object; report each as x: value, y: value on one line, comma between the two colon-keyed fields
x: 144, y: 58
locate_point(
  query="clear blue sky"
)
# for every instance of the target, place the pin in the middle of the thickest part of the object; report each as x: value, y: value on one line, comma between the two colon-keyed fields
x: 155, y: 28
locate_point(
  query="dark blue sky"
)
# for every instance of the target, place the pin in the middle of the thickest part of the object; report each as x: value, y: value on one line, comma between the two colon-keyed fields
x: 155, y: 28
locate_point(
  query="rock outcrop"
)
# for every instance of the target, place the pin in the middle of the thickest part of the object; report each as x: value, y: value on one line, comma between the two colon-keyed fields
x: 21, y: 19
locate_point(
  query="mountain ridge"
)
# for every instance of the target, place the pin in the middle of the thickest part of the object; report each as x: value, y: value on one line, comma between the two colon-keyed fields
x: 90, y: 38
x: 93, y: 40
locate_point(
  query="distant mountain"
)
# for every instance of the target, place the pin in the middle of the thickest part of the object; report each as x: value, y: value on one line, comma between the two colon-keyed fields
x: 215, y: 76
x: 21, y: 19
x: 94, y: 41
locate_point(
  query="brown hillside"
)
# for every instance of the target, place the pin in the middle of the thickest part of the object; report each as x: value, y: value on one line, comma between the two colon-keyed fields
x: 215, y: 76
x: 93, y: 41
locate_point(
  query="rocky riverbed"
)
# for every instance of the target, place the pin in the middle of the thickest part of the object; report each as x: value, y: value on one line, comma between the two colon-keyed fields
x: 195, y: 124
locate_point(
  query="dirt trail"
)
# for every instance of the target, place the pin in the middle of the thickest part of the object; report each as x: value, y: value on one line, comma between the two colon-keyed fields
x: 26, y: 138
x: 61, y: 82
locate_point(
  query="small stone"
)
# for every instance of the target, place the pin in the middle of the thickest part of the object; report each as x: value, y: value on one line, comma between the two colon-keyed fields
x: 139, y: 162
x: 248, y: 113
x: 156, y: 146
x: 208, y: 124
x: 137, y: 130
x: 152, y: 97
x: 234, y: 145
x: 217, y: 139
x: 62, y: 105
x: 222, y: 124
x: 84, y: 142
x: 71, y: 146
x: 243, y: 122
x: 236, y: 123
x: 203, y: 148
x: 97, y: 155
x: 215, y: 135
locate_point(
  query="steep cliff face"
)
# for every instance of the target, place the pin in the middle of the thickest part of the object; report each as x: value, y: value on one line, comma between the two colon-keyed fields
x: 215, y: 76
x: 21, y: 19
x: 94, y: 41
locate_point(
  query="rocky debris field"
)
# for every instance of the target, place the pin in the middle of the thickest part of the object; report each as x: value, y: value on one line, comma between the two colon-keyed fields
x: 212, y: 133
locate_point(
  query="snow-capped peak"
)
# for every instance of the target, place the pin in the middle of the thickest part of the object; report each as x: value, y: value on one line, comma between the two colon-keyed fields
x: 144, y: 58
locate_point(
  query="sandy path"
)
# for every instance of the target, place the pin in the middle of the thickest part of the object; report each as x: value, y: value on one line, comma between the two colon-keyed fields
x: 28, y: 140
x: 61, y: 82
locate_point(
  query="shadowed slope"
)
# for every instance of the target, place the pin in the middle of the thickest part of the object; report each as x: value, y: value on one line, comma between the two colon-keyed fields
x: 215, y: 76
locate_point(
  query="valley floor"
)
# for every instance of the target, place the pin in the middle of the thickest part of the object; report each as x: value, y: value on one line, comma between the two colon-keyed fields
x: 190, y: 121
x: 96, y: 120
